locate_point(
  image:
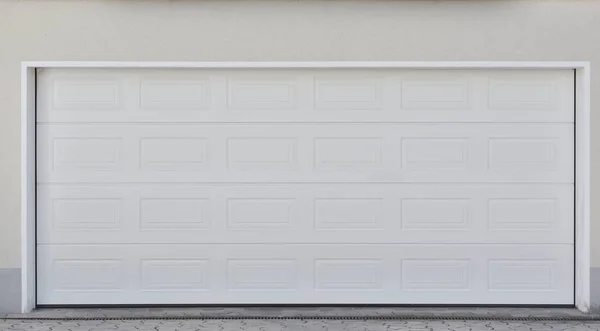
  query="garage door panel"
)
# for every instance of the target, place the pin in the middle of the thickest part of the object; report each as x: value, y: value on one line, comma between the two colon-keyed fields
x: 84, y: 96
x: 305, y: 274
x: 303, y: 153
x: 307, y: 213
x: 305, y: 186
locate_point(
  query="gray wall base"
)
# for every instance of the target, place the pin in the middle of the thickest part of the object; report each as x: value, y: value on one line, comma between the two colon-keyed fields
x: 595, y: 290
x: 10, y: 290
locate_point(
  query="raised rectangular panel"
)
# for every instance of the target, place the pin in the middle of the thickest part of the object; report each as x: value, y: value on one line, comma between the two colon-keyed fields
x: 521, y: 275
x: 522, y: 94
x: 348, y: 153
x: 261, y: 274
x: 87, y: 275
x: 87, y: 153
x: 348, y: 213
x: 277, y: 153
x: 259, y: 213
x: 436, y: 214
x: 261, y: 94
x: 435, y: 275
x: 523, y: 153
x: 172, y: 154
x: 174, y: 274
x: 519, y: 214
x: 174, y: 95
x: 331, y: 274
x: 86, y: 213
x: 350, y: 94
x: 86, y: 95
x: 174, y: 214
x: 435, y: 153
x: 436, y: 95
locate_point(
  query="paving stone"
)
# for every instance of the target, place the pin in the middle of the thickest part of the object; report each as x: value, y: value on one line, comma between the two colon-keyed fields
x: 309, y: 325
x: 286, y: 311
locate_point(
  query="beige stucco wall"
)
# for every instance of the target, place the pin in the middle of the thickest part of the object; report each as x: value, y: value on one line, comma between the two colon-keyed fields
x: 282, y: 30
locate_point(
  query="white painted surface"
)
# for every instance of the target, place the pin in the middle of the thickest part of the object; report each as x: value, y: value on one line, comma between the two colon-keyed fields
x: 28, y: 190
x: 583, y: 248
x: 305, y: 213
x: 292, y: 96
x: 379, y: 186
x: 305, y: 153
x: 346, y: 273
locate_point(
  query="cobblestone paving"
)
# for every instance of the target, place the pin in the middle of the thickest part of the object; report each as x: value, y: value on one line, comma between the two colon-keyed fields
x: 292, y: 325
x: 424, y: 312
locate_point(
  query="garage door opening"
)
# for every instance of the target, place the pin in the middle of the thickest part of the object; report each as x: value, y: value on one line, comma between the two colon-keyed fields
x: 305, y: 186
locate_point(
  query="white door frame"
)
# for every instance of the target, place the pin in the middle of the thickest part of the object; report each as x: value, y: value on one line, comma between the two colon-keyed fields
x: 582, y: 148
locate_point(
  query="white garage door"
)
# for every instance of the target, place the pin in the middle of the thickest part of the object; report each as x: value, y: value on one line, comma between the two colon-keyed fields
x: 305, y: 186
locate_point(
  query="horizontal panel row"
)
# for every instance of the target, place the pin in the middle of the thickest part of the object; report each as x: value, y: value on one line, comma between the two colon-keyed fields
x: 221, y: 274
x: 301, y: 153
x: 305, y: 95
x: 305, y: 213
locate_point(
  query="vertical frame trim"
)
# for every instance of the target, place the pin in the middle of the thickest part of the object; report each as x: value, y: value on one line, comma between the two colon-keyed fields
x: 28, y: 188
x: 582, y: 187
